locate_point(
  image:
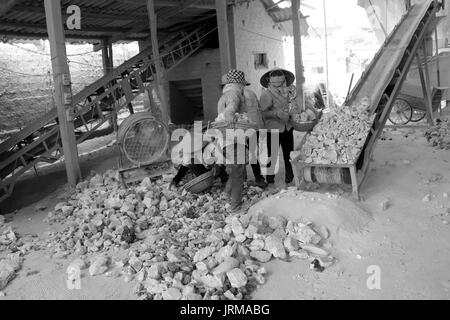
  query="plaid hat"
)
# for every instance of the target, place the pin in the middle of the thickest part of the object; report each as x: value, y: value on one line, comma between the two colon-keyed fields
x: 236, y: 76
x: 224, y: 80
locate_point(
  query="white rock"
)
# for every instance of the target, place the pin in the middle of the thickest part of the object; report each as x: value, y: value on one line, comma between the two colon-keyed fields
x: 225, y: 252
x: 306, y: 235
x: 228, y: 265
x: 7, y: 273
x: 99, y: 266
x: 172, y: 257
x: 237, y: 278
x: 261, y: 256
x: 211, y: 281
x: 250, y: 231
x: 135, y: 263
x: 427, y: 198
x: 204, y: 253
x: 154, y: 272
x: 315, y: 250
x: 302, y: 254
x: 291, y: 244
x: 237, y: 227
x: 194, y: 297
x: 257, y: 245
x: 76, y: 266
x: 275, y: 246
x: 172, y: 294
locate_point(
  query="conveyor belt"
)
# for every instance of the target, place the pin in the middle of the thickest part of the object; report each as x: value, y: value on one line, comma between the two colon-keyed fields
x: 383, y: 79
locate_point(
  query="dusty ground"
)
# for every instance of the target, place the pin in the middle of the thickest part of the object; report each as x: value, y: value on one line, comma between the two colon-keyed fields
x: 409, y: 242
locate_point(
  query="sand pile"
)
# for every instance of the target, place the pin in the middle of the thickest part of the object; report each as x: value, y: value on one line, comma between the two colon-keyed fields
x: 342, y: 219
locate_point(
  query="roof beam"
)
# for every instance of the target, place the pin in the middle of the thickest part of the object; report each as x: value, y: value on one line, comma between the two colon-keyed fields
x: 4, y: 8
x: 88, y: 13
x: 41, y: 35
x: 42, y: 27
x: 164, y: 15
x: 202, y: 4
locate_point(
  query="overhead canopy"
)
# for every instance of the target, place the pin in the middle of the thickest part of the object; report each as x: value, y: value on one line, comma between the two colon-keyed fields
x: 118, y: 20
x: 102, y: 19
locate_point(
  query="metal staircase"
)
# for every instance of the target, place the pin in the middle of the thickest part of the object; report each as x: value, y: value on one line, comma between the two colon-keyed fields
x: 94, y: 106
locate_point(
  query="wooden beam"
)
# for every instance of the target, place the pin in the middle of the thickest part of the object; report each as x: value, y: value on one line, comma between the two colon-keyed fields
x: 168, y: 13
x: 139, y: 28
x: 68, y: 35
x: 160, y: 72
x: 43, y: 27
x: 226, y: 43
x: 88, y: 13
x: 63, y: 89
x: 426, y: 91
x: 201, y: 4
x: 300, y: 79
x: 4, y: 8
x: 107, y: 57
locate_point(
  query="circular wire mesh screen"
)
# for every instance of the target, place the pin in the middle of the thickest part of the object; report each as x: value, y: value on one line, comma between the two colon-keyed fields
x: 144, y: 140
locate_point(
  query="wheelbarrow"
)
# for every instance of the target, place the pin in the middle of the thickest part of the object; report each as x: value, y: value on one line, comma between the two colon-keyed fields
x: 413, y: 108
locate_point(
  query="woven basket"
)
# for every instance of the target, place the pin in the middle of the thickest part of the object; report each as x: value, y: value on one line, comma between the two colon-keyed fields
x: 303, y: 126
x: 201, y: 183
x: 225, y: 125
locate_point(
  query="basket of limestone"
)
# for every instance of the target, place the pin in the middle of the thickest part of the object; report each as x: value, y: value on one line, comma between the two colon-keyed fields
x: 304, y: 121
x: 240, y: 121
x: 201, y: 183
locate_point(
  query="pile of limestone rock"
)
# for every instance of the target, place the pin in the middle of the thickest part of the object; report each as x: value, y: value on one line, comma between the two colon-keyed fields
x: 438, y: 136
x: 173, y: 244
x: 12, y: 249
x: 339, y: 136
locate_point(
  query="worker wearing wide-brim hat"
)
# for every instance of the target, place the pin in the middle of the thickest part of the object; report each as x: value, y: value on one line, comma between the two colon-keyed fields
x: 274, y: 103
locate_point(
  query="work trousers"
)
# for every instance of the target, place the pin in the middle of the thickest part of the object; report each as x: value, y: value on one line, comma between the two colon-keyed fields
x: 286, y: 141
x: 256, y: 168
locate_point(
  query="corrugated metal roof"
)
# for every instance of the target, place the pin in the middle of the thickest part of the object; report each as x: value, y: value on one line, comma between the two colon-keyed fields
x: 126, y: 19
x: 100, y: 18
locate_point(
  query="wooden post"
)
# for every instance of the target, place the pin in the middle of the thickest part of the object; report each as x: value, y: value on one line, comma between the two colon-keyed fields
x: 300, y: 79
x: 327, y: 66
x: 438, y: 64
x: 428, y: 83
x: 226, y: 36
x: 160, y: 72
x: 107, y: 57
x: 426, y: 91
x: 63, y: 90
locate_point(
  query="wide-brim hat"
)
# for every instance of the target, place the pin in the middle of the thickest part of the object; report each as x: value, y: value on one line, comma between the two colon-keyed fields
x: 265, y: 79
x: 235, y: 76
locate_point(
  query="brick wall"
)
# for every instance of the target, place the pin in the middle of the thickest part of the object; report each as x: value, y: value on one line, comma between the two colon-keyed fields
x: 204, y: 65
x: 27, y: 94
x: 256, y: 32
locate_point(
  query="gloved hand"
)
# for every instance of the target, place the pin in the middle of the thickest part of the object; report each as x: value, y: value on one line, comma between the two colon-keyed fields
x: 283, y: 115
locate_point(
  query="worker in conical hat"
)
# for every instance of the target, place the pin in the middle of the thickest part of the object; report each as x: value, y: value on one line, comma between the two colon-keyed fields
x: 275, y: 106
